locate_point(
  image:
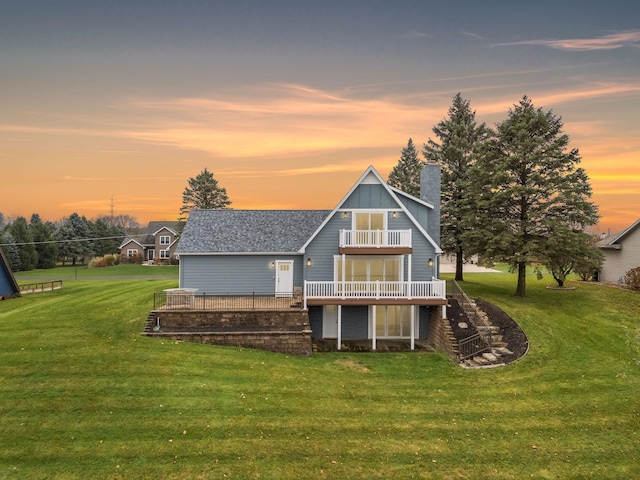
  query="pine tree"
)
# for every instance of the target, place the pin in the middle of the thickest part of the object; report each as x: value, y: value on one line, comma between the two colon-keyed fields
x: 10, y: 249
x: 405, y: 175
x: 24, y: 240
x: 459, y: 136
x: 203, y: 192
x: 43, y: 237
x: 535, y: 188
x: 74, y: 235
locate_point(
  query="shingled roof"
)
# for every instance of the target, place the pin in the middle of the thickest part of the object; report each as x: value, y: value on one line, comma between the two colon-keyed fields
x: 248, y: 231
x: 145, y: 237
x: 614, y: 241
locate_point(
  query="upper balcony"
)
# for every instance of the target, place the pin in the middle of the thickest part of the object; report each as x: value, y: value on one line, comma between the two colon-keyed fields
x: 375, y: 242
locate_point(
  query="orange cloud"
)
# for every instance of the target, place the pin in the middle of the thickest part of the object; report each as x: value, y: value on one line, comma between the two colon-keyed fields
x: 608, y: 42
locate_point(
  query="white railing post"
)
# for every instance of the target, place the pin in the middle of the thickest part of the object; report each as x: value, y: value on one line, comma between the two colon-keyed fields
x: 304, y: 293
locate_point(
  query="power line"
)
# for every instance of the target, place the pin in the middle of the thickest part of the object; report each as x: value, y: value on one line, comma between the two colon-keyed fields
x: 74, y: 240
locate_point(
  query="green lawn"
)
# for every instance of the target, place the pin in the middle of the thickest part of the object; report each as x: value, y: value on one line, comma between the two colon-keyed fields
x: 83, y: 395
x: 82, y: 271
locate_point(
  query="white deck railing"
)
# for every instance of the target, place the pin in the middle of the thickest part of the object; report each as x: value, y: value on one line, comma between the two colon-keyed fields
x: 375, y: 238
x: 374, y: 290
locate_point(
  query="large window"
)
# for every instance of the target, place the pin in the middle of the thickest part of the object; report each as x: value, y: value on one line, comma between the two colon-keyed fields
x: 165, y: 239
x: 369, y: 221
x: 369, y: 227
x: 369, y: 269
x: 393, y: 321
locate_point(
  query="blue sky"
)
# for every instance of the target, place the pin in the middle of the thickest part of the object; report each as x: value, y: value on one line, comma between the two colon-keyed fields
x: 288, y: 102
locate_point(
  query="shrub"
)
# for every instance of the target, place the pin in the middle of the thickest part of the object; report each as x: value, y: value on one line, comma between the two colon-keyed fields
x: 132, y: 259
x: 112, y: 259
x: 632, y: 278
x: 97, y: 262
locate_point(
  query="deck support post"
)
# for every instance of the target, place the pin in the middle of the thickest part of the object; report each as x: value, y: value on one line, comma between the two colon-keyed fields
x: 413, y: 327
x: 339, y: 336
x: 373, y: 333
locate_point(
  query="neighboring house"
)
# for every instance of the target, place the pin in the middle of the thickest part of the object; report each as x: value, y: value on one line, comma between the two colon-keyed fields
x: 621, y: 254
x: 8, y: 285
x: 157, y: 243
x: 368, y: 269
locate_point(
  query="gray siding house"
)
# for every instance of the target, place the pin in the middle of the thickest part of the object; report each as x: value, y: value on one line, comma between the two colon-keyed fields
x: 621, y: 254
x: 368, y: 269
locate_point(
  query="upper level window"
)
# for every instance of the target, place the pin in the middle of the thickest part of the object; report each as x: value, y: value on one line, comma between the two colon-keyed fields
x: 165, y: 240
x: 369, y: 221
x: 369, y: 227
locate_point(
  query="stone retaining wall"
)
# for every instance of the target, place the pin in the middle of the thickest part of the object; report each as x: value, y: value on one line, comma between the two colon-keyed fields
x: 440, y: 335
x: 282, y: 331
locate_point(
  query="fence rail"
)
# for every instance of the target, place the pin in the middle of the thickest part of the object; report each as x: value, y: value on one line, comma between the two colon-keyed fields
x: 40, y: 286
x: 240, y: 301
x: 481, y: 341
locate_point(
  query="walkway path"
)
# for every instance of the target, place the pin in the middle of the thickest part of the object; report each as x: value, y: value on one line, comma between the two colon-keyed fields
x: 467, y: 268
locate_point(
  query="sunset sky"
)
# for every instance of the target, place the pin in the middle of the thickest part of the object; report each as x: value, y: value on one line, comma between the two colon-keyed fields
x: 288, y: 102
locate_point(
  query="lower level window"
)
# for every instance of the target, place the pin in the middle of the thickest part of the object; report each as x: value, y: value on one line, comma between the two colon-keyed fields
x: 393, y: 320
x: 164, y: 253
x: 131, y: 252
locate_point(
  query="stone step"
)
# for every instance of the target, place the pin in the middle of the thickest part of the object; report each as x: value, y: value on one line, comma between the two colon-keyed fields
x: 480, y: 360
x: 490, y: 357
x: 501, y: 351
x: 492, y: 328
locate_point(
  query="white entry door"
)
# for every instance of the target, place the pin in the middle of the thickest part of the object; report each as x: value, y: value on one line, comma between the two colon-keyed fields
x: 284, y: 278
x: 330, y: 321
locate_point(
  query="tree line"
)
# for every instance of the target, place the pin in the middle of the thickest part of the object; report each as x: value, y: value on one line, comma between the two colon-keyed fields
x: 39, y: 244
x: 513, y: 193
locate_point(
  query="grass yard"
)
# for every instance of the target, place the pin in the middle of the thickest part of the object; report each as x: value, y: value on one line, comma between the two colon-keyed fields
x: 83, y: 395
x: 82, y: 271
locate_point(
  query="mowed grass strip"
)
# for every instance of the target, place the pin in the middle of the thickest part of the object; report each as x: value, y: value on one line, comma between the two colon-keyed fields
x: 83, y: 395
x: 83, y: 271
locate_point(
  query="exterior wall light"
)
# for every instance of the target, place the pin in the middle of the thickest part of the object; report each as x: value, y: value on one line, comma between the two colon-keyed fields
x: 309, y: 262
x: 272, y: 265
x: 430, y: 262
x: 345, y: 214
x: 394, y: 214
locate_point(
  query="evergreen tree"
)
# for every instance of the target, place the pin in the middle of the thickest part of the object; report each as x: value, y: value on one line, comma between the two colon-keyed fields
x: 203, y: 192
x: 43, y: 237
x: 10, y: 249
x: 535, y: 188
x: 459, y: 137
x: 108, y: 238
x: 24, y: 240
x: 74, y: 235
x: 405, y: 175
